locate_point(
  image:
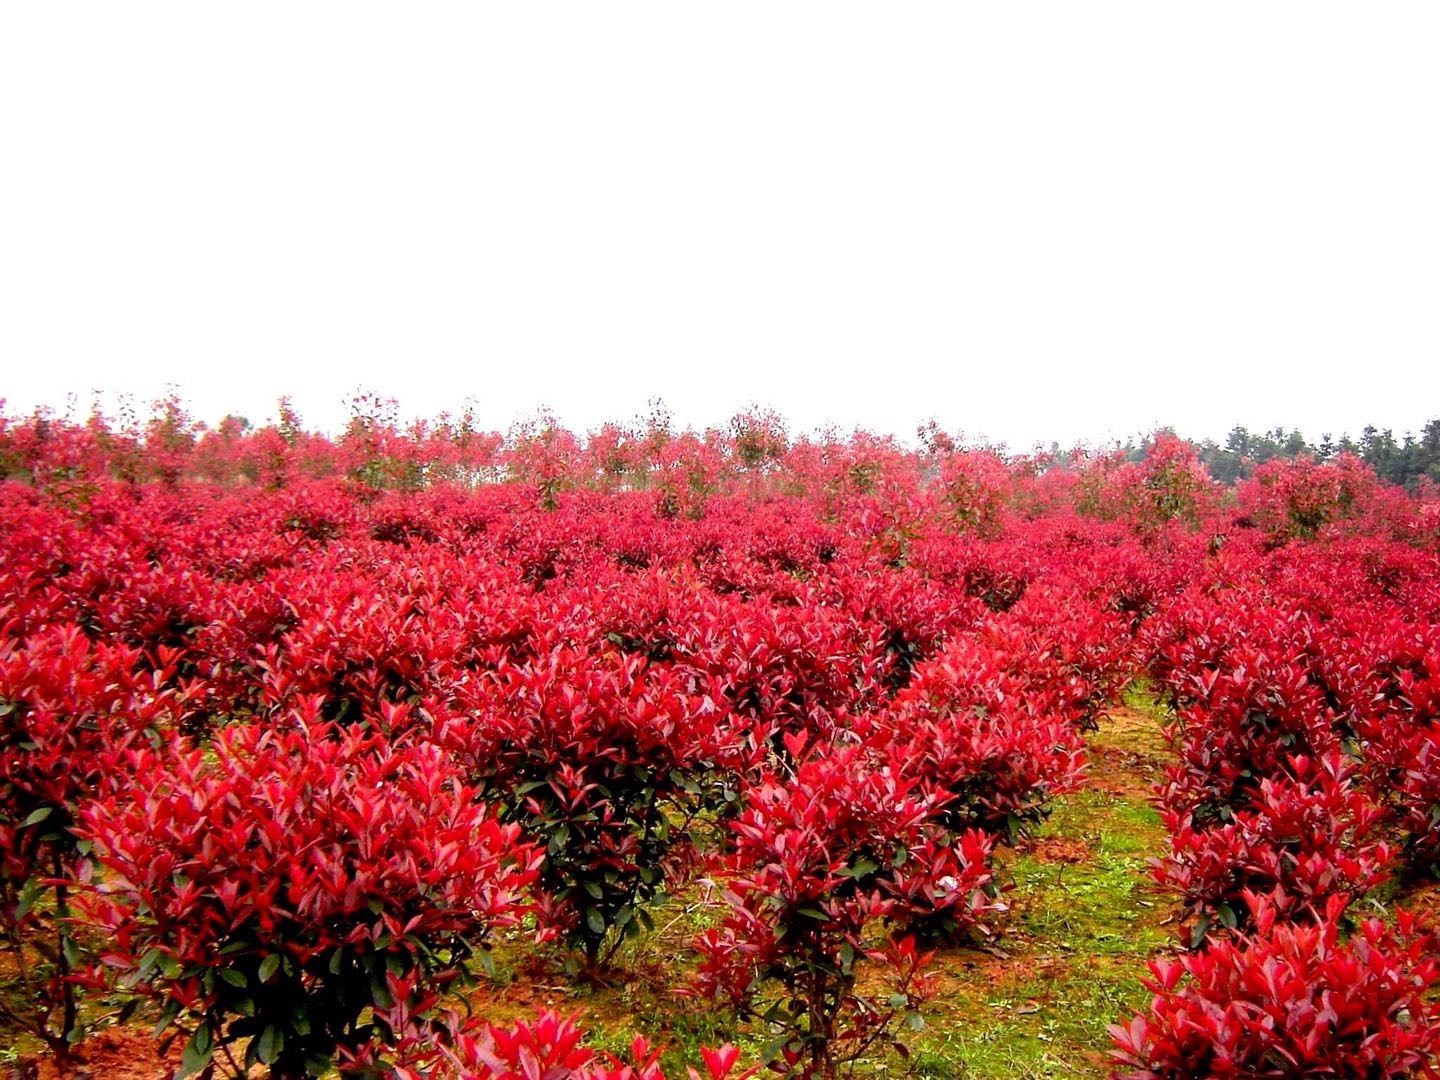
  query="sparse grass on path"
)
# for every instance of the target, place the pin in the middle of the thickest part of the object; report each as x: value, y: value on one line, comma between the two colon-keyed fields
x: 1085, y: 918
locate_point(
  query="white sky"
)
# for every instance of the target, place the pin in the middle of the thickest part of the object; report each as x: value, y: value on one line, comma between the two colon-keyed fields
x: 1029, y: 220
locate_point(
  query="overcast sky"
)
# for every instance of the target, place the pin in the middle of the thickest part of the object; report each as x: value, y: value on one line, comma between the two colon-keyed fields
x: 1028, y: 220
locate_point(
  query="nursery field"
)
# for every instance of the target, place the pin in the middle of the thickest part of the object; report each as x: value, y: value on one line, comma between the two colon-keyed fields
x: 432, y: 753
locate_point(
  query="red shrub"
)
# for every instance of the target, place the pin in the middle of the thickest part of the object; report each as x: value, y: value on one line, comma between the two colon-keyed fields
x: 1304, y: 838
x: 966, y: 730
x: 66, y: 705
x: 1295, y: 498
x: 1418, y: 797
x: 1292, y: 1001
x: 551, y: 1047
x: 976, y: 488
x: 1254, y: 713
x: 604, y: 763
x: 820, y: 857
x: 266, y: 886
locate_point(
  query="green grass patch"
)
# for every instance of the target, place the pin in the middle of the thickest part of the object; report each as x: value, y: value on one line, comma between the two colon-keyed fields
x: 1085, y: 918
x: 1051, y: 1023
x: 1145, y: 699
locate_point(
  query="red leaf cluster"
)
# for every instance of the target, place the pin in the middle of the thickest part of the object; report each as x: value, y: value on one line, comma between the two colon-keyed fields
x: 1291, y: 1000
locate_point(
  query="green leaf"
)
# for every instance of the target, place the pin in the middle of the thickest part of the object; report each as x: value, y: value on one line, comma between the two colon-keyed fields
x: 595, y: 921
x: 29, y: 893
x: 380, y: 994
x: 233, y: 977
x: 270, y: 1043
x: 268, y: 967
x: 486, y: 962
x: 167, y: 1017
x: 1202, y: 928
x: 773, y: 1048
x: 1013, y: 827
x: 198, y: 1052
x: 594, y: 889
x: 252, y: 1053
x: 37, y: 816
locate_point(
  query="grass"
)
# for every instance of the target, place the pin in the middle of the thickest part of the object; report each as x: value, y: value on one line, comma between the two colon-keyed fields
x: 1092, y: 907
x: 1083, y: 926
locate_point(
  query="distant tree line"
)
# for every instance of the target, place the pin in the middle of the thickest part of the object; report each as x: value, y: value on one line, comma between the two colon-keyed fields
x: 1405, y: 461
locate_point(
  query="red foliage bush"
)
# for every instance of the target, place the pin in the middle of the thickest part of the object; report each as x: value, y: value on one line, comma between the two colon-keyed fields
x: 1292, y: 1000
x: 550, y: 1047
x: 820, y: 857
x: 1254, y: 713
x: 966, y: 730
x: 265, y: 887
x: 66, y: 706
x: 1418, y: 796
x: 1168, y: 484
x: 604, y: 764
x: 1305, y: 838
x: 1296, y: 498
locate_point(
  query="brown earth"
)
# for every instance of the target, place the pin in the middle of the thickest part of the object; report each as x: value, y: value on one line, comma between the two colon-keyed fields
x: 116, y: 1054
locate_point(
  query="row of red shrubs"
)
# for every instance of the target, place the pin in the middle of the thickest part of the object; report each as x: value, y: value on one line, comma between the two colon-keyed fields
x: 1306, y: 689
